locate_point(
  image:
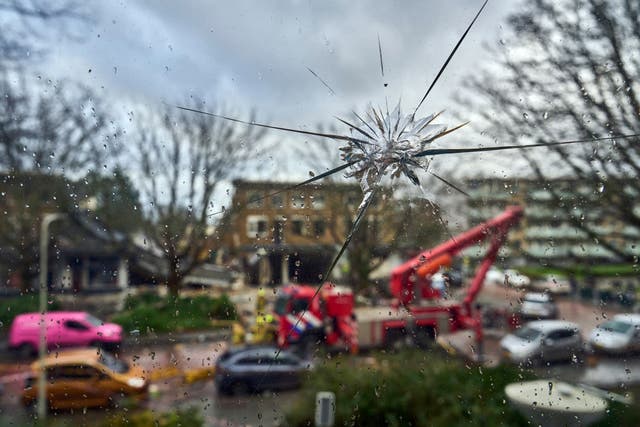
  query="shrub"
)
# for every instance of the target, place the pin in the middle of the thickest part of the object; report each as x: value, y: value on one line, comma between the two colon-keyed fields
x: 422, y: 389
x: 12, y: 306
x: 413, y: 388
x: 152, y: 313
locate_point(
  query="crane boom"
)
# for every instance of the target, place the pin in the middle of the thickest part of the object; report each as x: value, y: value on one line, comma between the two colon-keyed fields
x: 406, y: 277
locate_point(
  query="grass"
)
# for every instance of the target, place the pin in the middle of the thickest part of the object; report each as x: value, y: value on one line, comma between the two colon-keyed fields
x: 150, y: 313
x: 581, y: 272
x: 174, y: 418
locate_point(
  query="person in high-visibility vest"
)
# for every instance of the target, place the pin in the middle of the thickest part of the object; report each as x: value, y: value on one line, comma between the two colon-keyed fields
x: 261, y: 302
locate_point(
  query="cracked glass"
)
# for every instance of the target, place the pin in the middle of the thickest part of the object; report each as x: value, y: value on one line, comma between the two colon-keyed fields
x: 299, y: 213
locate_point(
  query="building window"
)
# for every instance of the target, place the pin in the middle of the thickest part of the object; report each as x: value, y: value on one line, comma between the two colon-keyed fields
x: 319, y: 228
x: 256, y: 226
x: 254, y: 200
x: 317, y: 201
x: 277, y: 201
x: 297, y: 201
x: 297, y: 227
x: 353, y: 200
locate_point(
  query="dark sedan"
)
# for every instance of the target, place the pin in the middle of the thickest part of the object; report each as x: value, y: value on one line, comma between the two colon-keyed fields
x: 254, y: 369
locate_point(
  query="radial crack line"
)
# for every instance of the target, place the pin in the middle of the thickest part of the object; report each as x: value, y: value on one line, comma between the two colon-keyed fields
x: 450, y: 56
x: 356, y: 224
x: 441, y: 151
x: 322, y: 81
x: 292, y: 187
x: 262, y: 125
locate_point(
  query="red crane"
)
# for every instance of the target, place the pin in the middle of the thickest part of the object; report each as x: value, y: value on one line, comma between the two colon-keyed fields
x: 418, y: 314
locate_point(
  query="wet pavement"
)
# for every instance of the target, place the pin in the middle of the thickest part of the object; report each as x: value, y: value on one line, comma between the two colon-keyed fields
x: 609, y: 372
x: 182, y: 376
x: 182, y: 373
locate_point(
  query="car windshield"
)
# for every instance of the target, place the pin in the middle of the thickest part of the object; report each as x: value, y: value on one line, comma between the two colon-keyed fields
x: 280, y: 306
x: 113, y: 364
x: 93, y: 320
x: 535, y: 300
x: 616, y: 326
x: 527, y: 333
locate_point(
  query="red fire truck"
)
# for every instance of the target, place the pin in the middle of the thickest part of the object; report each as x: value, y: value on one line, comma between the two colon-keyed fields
x: 310, y: 316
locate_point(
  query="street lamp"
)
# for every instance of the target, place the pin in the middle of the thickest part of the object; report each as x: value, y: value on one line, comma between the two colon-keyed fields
x: 47, y: 219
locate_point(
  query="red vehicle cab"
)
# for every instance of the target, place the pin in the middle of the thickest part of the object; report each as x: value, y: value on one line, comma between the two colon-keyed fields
x: 305, y: 320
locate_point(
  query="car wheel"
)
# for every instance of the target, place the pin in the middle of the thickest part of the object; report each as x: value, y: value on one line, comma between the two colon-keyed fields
x: 424, y: 337
x: 306, y: 346
x: 239, y: 388
x: 25, y: 351
x: 396, y: 340
x: 30, y: 406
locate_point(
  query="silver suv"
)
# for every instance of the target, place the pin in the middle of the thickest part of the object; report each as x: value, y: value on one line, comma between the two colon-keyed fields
x: 543, y: 341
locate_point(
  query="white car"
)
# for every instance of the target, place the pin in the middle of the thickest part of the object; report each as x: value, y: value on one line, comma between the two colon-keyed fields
x: 543, y: 341
x: 494, y: 276
x: 515, y: 279
x: 618, y: 335
x: 538, y: 306
x: 554, y: 285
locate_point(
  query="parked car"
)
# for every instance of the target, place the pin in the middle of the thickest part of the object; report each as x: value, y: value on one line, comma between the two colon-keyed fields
x: 254, y: 369
x: 64, y: 329
x: 543, y: 341
x: 538, y: 306
x: 516, y: 279
x: 83, y: 378
x: 494, y: 275
x: 619, y: 335
x: 554, y: 285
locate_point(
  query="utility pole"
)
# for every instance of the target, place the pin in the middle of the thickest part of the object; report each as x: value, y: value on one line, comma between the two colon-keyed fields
x: 47, y: 219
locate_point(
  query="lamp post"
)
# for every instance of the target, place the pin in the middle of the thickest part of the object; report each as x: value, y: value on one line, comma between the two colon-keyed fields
x: 47, y: 219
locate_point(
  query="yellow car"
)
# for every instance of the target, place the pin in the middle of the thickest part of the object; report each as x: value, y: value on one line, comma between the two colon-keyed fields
x: 86, y: 378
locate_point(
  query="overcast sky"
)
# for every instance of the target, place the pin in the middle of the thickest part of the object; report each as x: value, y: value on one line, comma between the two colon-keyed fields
x: 255, y: 54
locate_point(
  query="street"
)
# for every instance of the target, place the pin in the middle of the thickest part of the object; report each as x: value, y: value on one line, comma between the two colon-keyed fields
x: 181, y: 373
x: 169, y: 367
x: 610, y: 372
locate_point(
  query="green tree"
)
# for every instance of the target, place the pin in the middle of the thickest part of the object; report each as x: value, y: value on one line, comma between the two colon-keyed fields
x: 113, y: 200
x: 24, y: 198
x: 46, y: 131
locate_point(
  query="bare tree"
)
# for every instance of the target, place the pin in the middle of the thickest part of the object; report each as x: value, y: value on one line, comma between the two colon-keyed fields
x: 569, y: 70
x: 183, y: 157
x: 25, y: 22
x: 47, y: 131
x: 51, y: 127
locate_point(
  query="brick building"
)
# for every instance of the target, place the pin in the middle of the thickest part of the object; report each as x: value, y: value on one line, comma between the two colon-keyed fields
x: 293, y: 235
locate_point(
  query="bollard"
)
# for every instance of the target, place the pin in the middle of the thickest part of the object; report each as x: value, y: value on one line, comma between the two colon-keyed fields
x: 325, y: 409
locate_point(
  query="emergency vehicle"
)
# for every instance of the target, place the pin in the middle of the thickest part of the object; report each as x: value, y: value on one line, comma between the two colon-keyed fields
x: 309, y: 316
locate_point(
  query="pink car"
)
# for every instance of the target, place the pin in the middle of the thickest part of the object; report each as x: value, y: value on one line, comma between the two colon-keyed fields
x: 64, y: 329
